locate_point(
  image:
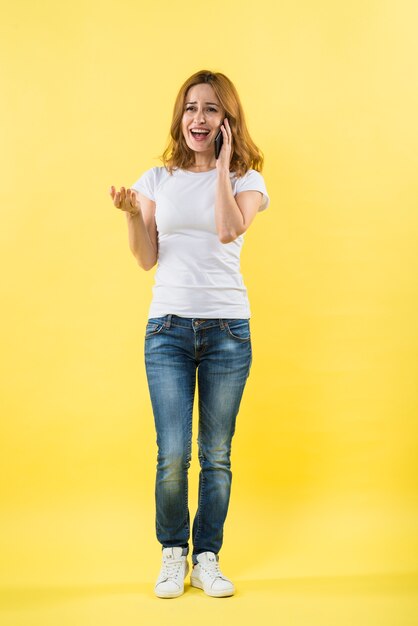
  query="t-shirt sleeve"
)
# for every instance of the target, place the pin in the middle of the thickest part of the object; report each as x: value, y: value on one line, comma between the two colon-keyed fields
x: 146, y: 184
x: 253, y: 181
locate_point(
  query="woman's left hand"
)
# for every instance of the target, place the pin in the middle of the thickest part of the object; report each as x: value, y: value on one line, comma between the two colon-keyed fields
x: 224, y: 160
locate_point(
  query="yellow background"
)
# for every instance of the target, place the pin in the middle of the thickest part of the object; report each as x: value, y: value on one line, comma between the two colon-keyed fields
x: 322, y: 525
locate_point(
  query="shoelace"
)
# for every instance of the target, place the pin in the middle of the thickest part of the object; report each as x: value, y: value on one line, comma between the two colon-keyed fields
x: 212, y: 568
x: 171, y: 567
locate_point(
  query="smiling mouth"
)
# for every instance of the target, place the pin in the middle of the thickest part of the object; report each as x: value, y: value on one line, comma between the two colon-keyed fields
x: 199, y: 137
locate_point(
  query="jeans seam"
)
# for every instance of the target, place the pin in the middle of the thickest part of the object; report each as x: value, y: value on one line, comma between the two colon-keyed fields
x: 202, y: 480
x: 189, y: 455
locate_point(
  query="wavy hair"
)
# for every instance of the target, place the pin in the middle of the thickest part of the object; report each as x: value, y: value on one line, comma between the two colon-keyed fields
x: 245, y: 154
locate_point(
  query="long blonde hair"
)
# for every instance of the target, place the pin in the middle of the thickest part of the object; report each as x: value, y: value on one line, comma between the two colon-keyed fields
x: 245, y: 154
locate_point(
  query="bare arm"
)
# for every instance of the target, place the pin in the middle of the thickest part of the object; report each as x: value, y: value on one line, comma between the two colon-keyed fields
x: 234, y: 214
x: 142, y: 229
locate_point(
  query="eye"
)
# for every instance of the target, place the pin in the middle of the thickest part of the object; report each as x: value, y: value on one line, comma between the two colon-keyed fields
x: 189, y: 108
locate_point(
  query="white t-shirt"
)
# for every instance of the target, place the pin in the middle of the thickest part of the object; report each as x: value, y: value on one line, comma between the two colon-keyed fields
x: 197, y: 276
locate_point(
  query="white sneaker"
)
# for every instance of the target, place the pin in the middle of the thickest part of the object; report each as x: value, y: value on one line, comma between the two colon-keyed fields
x: 174, y: 569
x: 207, y: 576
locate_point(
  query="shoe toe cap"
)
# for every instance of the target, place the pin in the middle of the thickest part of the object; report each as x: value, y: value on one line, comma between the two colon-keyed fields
x: 220, y: 584
x: 168, y: 586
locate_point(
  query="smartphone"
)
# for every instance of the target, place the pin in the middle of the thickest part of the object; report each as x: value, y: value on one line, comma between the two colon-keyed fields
x: 218, y: 143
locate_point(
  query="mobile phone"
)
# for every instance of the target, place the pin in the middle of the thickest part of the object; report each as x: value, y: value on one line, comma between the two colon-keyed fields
x: 218, y: 143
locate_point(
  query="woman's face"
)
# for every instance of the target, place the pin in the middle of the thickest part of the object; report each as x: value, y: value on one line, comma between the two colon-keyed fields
x: 203, y: 110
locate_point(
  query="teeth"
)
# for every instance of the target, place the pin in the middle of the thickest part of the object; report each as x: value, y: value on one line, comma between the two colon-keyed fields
x: 200, y: 132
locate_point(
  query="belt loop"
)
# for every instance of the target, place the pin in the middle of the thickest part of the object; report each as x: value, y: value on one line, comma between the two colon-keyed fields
x: 221, y: 324
x: 168, y: 320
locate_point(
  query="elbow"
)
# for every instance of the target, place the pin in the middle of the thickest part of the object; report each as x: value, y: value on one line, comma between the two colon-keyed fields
x: 147, y: 261
x: 146, y: 266
x: 228, y: 237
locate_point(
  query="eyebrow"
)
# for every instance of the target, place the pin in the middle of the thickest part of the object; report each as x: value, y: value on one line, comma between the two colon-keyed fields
x: 205, y: 103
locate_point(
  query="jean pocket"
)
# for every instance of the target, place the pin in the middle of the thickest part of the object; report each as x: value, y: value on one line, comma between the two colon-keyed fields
x: 239, y: 329
x: 153, y: 327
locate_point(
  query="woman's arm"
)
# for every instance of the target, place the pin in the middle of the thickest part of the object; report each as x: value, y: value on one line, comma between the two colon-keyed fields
x: 142, y: 233
x: 142, y: 229
x: 234, y: 215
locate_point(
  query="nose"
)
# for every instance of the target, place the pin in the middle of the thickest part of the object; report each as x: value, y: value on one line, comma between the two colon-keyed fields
x: 199, y: 116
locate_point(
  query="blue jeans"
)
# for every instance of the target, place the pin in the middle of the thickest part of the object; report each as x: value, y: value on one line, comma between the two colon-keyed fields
x: 175, y: 347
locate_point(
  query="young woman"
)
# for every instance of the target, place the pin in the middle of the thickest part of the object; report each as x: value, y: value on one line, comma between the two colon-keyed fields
x: 190, y: 216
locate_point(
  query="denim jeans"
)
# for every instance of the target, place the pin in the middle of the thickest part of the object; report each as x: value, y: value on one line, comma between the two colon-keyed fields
x: 220, y: 351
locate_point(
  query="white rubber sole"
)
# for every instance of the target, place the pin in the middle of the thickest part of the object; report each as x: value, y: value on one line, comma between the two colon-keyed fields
x: 172, y: 594
x: 221, y: 593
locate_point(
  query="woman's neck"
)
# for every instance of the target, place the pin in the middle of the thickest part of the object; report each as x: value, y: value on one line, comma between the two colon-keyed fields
x: 203, y: 162
x: 201, y: 168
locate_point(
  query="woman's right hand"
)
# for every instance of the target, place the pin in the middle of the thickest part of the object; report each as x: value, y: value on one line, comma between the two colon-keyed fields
x: 125, y: 200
